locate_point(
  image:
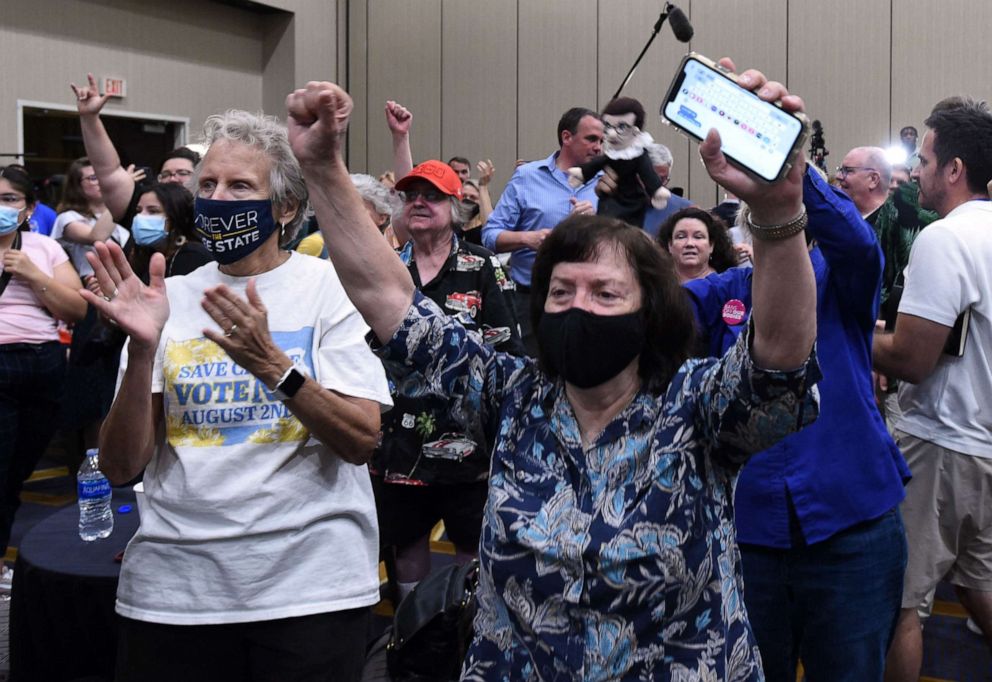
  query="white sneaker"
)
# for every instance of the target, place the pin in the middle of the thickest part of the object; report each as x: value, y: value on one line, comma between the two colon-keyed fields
x: 6, y: 578
x: 973, y: 626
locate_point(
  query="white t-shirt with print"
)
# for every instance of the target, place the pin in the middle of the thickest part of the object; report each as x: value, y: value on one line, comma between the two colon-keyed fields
x: 246, y: 517
x: 77, y: 252
x: 949, y: 271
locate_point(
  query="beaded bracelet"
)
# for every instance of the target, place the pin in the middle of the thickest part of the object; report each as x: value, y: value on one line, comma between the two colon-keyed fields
x: 775, y: 232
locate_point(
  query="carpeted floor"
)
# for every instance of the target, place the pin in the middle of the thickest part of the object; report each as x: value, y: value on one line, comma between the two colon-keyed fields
x: 951, y: 652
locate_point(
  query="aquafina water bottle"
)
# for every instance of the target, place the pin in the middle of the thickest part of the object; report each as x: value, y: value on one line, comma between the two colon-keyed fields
x: 96, y: 518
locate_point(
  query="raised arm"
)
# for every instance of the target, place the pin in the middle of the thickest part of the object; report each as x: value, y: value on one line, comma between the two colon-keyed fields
x: 486, y: 172
x: 116, y: 184
x: 783, y: 289
x: 376, y: 280
x: 399, y: 119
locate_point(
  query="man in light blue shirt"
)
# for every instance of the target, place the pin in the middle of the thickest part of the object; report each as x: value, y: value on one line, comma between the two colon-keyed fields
x: 537, y: 198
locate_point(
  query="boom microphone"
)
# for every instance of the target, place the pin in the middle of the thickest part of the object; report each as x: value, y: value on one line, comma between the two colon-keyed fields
x: 679, y: 23
x: 680, y: 27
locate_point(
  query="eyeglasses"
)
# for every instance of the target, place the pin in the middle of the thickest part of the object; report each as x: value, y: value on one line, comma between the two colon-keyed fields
x: 431, y: 196
x: 844, y: 171
x: 91, y: 178
x: 621, y: 128
x: 11, y: 198
x: 168, y: 175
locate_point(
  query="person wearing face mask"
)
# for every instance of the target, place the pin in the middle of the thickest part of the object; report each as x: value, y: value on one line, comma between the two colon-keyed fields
x: 38, y: 287
x: 608, y: 547
x: 251, y: 401
x: 163, y: 223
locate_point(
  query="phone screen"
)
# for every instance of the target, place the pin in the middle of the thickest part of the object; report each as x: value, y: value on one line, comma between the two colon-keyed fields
x: 755, y: 134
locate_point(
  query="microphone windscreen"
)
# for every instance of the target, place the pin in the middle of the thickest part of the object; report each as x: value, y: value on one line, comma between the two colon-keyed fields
x: 680, y: 24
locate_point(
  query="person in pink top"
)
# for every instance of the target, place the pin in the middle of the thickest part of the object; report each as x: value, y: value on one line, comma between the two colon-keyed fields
x: 38, y: 287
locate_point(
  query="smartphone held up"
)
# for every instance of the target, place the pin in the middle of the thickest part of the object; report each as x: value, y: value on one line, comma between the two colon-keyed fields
x: 758, y: 137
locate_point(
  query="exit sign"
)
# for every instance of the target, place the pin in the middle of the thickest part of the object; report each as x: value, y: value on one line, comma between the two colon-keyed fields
x: 114, y: 87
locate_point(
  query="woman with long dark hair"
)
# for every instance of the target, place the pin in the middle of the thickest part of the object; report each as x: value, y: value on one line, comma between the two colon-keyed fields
x: 38, y: 287
x: 163, y: 223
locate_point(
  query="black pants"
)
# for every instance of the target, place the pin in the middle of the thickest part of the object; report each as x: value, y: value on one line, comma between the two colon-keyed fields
x: 31, y: 379
x: 325, y: 647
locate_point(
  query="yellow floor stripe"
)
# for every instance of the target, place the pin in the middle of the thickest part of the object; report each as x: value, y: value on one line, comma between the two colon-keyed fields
x: 948, y: 608
x: 11, y: 555
x: 438, y: 531
x: 47, y: 499
x: 47, y: 474
x: 934, y: 679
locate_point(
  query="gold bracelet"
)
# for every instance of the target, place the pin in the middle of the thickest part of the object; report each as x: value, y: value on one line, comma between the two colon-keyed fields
x: 782, y: 231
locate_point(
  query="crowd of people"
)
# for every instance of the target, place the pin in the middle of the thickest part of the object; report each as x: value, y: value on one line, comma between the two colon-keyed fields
x: 684, y: 443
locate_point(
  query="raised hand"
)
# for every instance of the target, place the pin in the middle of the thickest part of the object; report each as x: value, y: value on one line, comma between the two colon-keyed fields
x: 245, y: 336
x: 486, y: 171
x: 137, y: 174
x: 317, y: 121
x: 141, y: 311
x: 770, y: 204
x: 398, y: 118
x: 89, y: 101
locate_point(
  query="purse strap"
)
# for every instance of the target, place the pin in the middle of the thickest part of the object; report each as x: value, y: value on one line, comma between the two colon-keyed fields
x: 5, y: 277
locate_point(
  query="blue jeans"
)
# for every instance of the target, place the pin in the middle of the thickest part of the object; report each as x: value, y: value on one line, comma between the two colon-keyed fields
x: 834, y: 604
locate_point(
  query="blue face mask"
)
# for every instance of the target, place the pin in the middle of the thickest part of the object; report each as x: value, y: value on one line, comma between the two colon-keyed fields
x: 148, y: 229
x: 9, y: 219
x: 233, y: 229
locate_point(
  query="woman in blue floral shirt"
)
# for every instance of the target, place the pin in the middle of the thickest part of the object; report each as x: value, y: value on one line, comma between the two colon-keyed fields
x: 608, y: 547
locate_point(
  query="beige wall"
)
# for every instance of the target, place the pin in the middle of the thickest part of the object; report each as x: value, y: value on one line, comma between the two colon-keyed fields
x: 182, y: 58
x: 495, y: 81
x: 489, y: 79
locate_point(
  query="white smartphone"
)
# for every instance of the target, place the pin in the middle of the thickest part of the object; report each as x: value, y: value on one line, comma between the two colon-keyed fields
x: 757, y: 136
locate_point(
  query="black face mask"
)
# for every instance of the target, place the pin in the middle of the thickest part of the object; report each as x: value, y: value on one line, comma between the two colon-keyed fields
x: 586, y: 349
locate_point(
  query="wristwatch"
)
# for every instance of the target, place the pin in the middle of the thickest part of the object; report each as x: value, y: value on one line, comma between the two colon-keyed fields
x: 288, y: 385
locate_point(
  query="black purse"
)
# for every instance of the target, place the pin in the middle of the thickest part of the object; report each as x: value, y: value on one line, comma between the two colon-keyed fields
x: 432, y: 628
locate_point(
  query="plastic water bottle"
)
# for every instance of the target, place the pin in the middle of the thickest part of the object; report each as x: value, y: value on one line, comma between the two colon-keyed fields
x: 96, y: 519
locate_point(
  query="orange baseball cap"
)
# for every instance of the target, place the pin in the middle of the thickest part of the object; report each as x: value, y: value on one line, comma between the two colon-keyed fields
x: 438, y: 173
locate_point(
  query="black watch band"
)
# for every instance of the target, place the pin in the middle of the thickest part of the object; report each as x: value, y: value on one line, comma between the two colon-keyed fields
x: 290, y: 385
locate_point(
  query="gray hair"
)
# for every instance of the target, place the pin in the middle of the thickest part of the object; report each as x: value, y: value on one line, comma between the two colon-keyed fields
x: 460, y: 214
x: 384, y: 199
x: 660, y: 155
x: 268, y: 135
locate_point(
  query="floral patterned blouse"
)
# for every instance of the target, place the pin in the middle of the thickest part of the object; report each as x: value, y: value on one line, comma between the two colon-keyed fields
x: 617, y: 561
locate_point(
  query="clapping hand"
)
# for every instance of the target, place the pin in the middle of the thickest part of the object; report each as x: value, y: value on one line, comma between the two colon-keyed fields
x: 245, y: 324
x: 140, y: 310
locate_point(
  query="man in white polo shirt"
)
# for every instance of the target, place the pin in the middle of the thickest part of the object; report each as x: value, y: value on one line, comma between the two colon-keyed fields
x: 942, y: 349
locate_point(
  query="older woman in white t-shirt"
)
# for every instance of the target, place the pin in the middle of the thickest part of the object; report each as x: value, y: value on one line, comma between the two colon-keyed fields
x: 38, y: 287
x: 251, y: 399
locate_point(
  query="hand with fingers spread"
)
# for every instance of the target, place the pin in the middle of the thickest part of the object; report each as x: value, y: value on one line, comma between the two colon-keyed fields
x: 140, y: 311
x: 486, y: 171
x: 317, y: 121
x: 137, y: 174
x: 89, y: 101
x: 770, y: 204
x: 245, y: 336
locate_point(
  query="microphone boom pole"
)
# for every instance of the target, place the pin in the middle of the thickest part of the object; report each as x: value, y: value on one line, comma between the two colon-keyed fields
x: 657, y: 27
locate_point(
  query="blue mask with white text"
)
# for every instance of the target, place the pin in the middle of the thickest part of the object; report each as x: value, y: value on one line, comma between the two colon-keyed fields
x: 148, y: 229
x: 231, y: 230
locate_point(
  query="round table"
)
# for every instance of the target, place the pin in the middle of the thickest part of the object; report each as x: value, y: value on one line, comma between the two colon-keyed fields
x: 62, y: 621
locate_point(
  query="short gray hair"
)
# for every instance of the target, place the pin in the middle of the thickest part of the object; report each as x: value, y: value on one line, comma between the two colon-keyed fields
x: 268, y: 135
x: 385, y: 200
x: 660, y: 155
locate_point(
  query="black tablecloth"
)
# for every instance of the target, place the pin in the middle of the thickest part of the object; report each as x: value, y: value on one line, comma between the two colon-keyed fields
x: 62, y: 621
